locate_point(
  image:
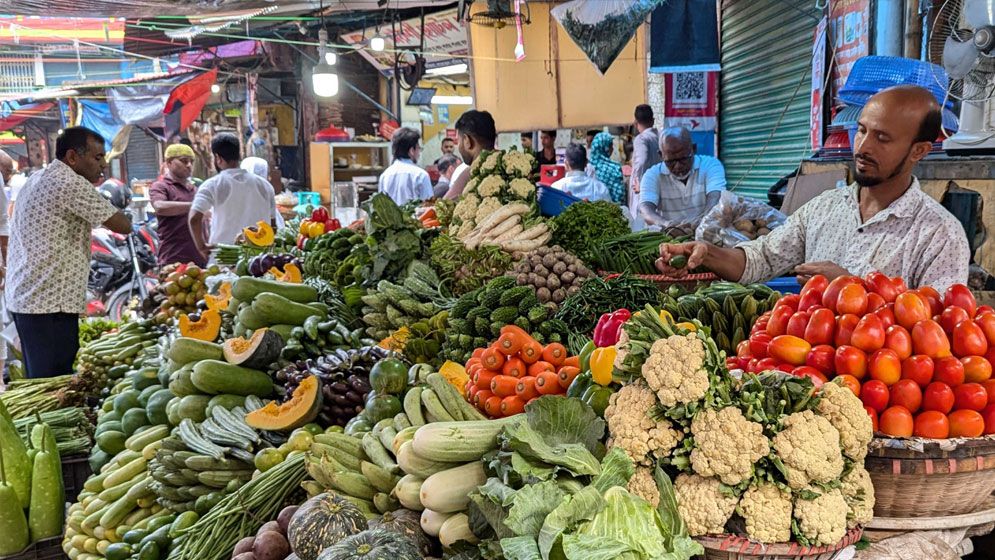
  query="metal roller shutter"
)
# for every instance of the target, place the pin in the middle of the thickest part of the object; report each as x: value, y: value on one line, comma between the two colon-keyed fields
x: 765, y: 86
x: 142, y: 155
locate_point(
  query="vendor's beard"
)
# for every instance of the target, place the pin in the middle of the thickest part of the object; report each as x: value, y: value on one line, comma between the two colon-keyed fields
x: 868, y: 181
x: 683, y: 178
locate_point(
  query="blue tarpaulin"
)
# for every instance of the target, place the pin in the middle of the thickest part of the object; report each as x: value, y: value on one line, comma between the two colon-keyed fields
x: 96, y: 115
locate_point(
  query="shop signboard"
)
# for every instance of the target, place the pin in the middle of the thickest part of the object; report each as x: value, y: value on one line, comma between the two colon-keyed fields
x: 48, y: 30
x: 818, y: 83
x: 849, y: 22
x: 445, y: 41
x: 691, y: 98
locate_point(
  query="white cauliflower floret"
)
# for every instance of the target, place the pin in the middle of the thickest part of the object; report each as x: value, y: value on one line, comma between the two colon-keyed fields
x: 858, y: 491
x: 517, y: 163
x: 522, y: 188
x: 674, y: 369
x: 491, y: 185
x: 621, y: 349
x: 809, y: 447
x: 487, y: 207
x: 471, y: 185
x: 703, y: 505
x: 767, y: 512
x: 821, y: 520
x: 466, y: 208
x: 477, y: 164
x: 491, y: 163
x: 846, y: 413
x: 727, y: 445
x: 643, y: 484
x: 633, y: 430
x: 465, y: 230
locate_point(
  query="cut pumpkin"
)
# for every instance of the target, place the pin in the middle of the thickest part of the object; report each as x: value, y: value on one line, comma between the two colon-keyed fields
x: 261, y: 235
x: 221, y: 300
x: 290, y: 274
x: 302, y: 408
x: 206, y: 329
x: 256, y: 352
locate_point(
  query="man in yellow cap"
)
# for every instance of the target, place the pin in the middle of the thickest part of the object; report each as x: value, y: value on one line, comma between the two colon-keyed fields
x: 171, y: 196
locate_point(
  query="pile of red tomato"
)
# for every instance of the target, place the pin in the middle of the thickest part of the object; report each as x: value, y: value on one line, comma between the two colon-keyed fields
x: 920, y: 363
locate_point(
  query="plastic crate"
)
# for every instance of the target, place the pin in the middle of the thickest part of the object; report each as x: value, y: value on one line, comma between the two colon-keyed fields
x: 552, y: 202
x: 47, y: 549
x: 785, y: 285
x: 872, y: 74
x: 75, y: 471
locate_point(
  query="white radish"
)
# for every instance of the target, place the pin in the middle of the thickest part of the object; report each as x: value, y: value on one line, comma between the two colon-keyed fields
x: 502, y: 214
x: 524, y: 245
x: 533, y: 232
x: 504, y: 226
x: 510, y: 233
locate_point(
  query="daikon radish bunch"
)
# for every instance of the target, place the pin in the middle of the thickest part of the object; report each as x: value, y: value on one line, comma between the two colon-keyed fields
x: 507, y: 229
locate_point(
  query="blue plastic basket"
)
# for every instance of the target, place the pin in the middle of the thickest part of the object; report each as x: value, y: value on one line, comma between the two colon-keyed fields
x: 872, y: 74
x: 552, y: 202
x: 785, y: 285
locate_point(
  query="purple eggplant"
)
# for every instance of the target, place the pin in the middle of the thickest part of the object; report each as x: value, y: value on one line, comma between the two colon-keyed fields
x: 267, y: 261
x: 256, y: 268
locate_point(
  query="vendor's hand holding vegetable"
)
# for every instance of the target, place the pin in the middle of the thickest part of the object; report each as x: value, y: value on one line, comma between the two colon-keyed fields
x: 676, y: 259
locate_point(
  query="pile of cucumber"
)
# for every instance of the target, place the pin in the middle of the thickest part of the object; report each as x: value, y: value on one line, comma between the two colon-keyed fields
x: 112, y: 355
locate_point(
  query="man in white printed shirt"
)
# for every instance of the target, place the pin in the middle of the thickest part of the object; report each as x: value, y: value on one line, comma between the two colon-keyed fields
x: 577, y: 182
x: 404, y: 181
x: 48, y: 267
x: 236, y: 198
x: 883, y: 222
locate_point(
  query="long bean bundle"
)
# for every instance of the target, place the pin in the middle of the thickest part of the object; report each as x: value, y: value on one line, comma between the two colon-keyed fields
x: 635, y: 252
x: 241, y: 513
x: 70, y: 426
x: 26, y: 396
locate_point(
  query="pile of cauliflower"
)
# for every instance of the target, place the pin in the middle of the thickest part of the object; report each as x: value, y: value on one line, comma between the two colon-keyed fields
x: 800, y: 474
x: 497, y: 178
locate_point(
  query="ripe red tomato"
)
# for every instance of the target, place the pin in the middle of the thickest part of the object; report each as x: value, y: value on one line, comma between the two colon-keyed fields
x: 759, y: 344
x: 885, y: 366
x: 984, y: 310
x: 949, y: 370
x: 779, y: 318
x: 969, y: 339
x: 844, y: 329
x: 906, y: 393
x: 852, y: 299
x: 989, y: 386
x: 887, y: 314
x: 850, y: 361
x: 932, y: 424
x: 817, y: 283
x: 882, y: 286
x: 910, y: 308
x: 850, y: 382
x: 832, y: 292
x: 966, y: 423
x: 918, y: 368
x: 928, y: 338
x: 961, y: 296
x: 938, y: 396
x: 789, y: 349
x: 743, y: 349
x: 898, y: 339
x: 875, y: 302
x: 977, y: 369
x: 875, y: 395
x: 951, y: 317
x: 821, y: 327
x: 762, y: 364
x: 874, y: 417
x: 988, y: 415
x: 869, y: 334
x: 970, y: 396
x: 818, y: 379
x: 810, y: 300
x: 896, y: 421
x: 791, y: 300
x: 822, y: 358
x: 798, y: 323
x: 987, y: 323
x: 786, y: 368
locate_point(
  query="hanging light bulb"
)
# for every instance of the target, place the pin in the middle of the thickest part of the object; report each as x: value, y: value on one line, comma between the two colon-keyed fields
x: 377, y: 43
x: 331, y: 58
x: 323, y: 78
x: 215, y: 88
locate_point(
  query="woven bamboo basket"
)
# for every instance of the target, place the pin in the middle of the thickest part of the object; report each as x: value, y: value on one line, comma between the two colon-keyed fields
x: 734, y: 547
x: 930, y: 478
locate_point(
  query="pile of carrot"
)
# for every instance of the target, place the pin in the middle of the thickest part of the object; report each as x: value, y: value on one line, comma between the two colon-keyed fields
x: 516, y: 369
x: 430, y: 219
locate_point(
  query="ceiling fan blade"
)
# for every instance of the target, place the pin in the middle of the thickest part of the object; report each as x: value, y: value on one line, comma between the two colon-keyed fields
x: 979, y: 13
x: 959, y: 57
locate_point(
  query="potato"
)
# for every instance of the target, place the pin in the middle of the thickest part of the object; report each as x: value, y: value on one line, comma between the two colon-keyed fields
x: 243, y: 546
x: 271, y: 545
x: 284, y: 518
x: 269, y: 526
x: 762, y: 231
x: 744, y: 226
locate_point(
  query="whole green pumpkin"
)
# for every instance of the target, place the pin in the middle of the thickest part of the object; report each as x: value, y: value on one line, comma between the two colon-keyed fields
x: 407, y: 524
x: 372, y: 544
x: 321, y: 522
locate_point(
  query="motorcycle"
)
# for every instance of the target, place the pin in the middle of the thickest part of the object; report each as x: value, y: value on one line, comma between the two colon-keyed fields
x: 122, y: 267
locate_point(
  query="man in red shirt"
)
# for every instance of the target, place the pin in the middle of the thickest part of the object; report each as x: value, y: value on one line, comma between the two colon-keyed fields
x: 171, y: 197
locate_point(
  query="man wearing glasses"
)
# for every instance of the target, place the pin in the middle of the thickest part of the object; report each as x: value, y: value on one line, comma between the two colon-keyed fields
x: 404, y: 181
x: 171, y: 196
x: 676, y: 193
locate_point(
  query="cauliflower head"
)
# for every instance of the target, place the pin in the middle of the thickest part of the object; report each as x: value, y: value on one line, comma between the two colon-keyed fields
x: 643, y: 484
x: 466, y: 208
x: 858, y: 491
x: 491, y: 185
x: 633, y: 430
x: 675, y: 370
x: 767, y: 512
x: 821, y: 520
x: 846, y: 413
x: 487, y: 207
x: 809, y: 447
x: 727, y: 444
x: 702, y: 504
x: 491, y: 163
x: 471, y: 185
x: 522, y: 188
x: 518, y: 163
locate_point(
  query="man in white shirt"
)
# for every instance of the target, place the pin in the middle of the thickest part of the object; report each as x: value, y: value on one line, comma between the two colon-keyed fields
x: 675, y: 194
x: 46, y: 283
x: 404, y: 181
x: 577, y: 182
x: 883, y: 222
x: 236, y: 198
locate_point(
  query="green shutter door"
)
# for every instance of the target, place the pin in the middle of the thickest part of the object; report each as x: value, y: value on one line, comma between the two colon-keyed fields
x: 766, y: 72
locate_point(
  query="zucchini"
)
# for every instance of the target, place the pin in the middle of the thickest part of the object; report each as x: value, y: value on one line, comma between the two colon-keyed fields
x: 458, y: 442
x: 215, y: 377
x: 411, y: 463
x: 408, y: 492
x: 246, y: 288
x: 448, y: 491
x: 274, y: 309
x: 138, y: 441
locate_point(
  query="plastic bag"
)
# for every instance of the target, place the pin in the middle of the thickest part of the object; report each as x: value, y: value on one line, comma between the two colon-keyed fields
x: 602, y: 28
x: 736, y: 219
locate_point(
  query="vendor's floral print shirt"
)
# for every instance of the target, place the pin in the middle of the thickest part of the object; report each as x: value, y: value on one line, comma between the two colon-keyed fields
x: 48, y: 259
x: 915, y: 238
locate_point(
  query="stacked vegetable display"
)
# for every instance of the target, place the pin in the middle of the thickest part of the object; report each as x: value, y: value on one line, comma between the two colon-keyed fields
x: 726, y: 308
x: 181, y: 287
x: 921, y: 363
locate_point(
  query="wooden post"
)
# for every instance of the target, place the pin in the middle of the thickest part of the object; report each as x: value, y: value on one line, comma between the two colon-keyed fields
x: 913, y: 30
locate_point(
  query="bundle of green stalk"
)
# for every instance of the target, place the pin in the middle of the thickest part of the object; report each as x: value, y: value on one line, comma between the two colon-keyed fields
x: 70, y: 426
x: 634, y: 252
x: 24, y: 397
x: 241, y: 513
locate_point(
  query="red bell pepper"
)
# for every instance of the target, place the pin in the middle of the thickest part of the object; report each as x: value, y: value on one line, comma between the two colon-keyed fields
x: 609, y: 328
x: 332, y: 224
x: 319, y: 214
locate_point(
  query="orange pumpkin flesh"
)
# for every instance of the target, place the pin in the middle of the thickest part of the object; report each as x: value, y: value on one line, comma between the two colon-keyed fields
x: 262, y: 235
x: 290, y: 274
x: 206, y: 329
x: 219, y: 301
x: 303, y: 407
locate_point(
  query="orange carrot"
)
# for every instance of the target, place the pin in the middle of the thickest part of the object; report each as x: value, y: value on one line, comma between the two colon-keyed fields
x: 547, y: 383
x: 492, y: 359
x: 470, y: 370
x: 503, y: 385
x: 526, y: 388
x: 566, y: 375
x: 539, y: 367
x: 572, y: 361
x: 483, y: 378
x: 531, y: 352
x: 510, y: 343
x: 471, y: 391
x: 512, y: 405
x: 554, y: 353
x: 492, y: 406
x: 481, y: 397
x: 517, y: 330
x: 514, y: 367
x: 431, y: 223
x: 471, y: 362
x: 477, y: 352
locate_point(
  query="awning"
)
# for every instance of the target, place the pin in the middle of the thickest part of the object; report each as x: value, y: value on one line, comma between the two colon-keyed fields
x: 23, y: 113
x: 152, y: 8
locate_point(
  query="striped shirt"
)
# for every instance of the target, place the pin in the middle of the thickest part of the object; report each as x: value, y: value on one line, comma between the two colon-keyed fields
x: 682, y: 202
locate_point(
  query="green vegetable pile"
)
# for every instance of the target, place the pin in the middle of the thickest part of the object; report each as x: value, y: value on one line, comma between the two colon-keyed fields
x: 585, y: 226
x: 466, y: 269
x: 580, y: 312
x: 325, y: 254
x: 728, y: 308
x: 71, y: 428
x: 634, y: 252
x: 392, y: 237
x: 93, y: 327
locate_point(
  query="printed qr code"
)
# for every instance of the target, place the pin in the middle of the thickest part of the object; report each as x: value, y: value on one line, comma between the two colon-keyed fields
x: 690, y: 88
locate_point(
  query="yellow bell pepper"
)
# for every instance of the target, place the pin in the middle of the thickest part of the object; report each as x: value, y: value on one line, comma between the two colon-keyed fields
x: 315, y: 229
x: 602, y: 363
x: 303, y: 227
x: 666, y: 317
